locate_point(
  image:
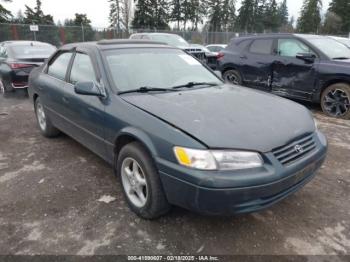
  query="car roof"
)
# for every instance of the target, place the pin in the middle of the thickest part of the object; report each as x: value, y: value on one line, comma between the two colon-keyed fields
x: 276, y: 35
x: 116, y: 44
x: 24, y: 43
x: 152, y: 33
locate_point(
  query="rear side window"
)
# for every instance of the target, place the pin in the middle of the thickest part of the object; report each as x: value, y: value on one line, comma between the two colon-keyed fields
x: 58, y: 68
x: 261, y: 46
x: 82, y: 69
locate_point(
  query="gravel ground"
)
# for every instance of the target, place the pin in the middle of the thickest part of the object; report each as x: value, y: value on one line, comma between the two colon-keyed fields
x: 59, y: 198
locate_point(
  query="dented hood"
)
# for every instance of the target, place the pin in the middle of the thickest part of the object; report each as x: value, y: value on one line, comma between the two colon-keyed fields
x: 229, y: 116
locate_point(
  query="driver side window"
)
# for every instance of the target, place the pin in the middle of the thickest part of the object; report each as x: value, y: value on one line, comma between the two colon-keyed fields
x: 82, y: 69
x: 291, y: 47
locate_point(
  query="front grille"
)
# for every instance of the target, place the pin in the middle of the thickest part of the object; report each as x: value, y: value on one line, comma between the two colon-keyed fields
x: 290, y: 153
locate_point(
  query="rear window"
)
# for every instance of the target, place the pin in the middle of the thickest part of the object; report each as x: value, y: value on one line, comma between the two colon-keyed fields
x: 261, y: 46
x: 42, y: 51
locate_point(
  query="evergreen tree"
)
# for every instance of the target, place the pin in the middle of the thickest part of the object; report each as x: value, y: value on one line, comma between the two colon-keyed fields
x: 229, y: 15
x: 151, y: 14
x: 5, y: 15
x: 341, y: 8
x: 198, y: 13
x: 119, y: 15
x: 78, y: 29
x: 175, y: 14
x: 272, y: 19
x: 332, y: 24
x: 283, y: 13
x: 37, y: 16
x: 246, y: 15
x: 310, y: 17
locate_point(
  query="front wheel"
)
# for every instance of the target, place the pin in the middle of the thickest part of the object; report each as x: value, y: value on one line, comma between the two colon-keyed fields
x: 335, y: 101
x: 45, y: 125
x: 232, y: 76
x: 140, y: 182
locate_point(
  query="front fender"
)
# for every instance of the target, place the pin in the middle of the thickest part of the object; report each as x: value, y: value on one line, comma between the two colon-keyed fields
x: 139, y: 135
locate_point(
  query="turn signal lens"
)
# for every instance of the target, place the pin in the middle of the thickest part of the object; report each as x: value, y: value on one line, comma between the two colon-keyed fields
x: 195, y: 158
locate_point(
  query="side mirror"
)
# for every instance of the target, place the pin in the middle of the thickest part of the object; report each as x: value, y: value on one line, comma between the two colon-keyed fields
x: 88, y: 89
x: 307, y: 57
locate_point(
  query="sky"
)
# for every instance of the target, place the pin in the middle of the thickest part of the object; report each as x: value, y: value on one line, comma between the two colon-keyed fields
x: 98, y: 10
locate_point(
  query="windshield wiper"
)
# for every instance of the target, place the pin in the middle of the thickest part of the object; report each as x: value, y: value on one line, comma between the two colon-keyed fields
x: 144, y: 89
x: 193, y: 84
x: 341, y: 58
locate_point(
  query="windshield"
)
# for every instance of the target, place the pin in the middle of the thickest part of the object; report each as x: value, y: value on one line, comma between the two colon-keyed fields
x: 331, y: 48
x: 173, y: 40
x: 42, y: 51
x: 157, y: 68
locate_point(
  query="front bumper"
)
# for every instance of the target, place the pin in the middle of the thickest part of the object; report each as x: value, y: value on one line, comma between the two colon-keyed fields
x: 223, y: 193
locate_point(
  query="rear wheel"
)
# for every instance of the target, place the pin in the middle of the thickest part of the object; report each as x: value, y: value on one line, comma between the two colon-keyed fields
x: 140, y: 182
x: 232, y: 76
x: 335, y: 101
x: 45, y: 125
x: 5, y: 87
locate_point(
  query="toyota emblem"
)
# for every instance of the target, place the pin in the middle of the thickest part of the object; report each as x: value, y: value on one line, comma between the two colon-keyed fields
x: 298, y: 149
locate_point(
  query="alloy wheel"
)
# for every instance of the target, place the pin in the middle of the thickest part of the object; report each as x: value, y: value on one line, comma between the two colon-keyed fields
x: 336, y: 102
x: 40, y: 114
x: 134, y: 182
x: 232, y: 78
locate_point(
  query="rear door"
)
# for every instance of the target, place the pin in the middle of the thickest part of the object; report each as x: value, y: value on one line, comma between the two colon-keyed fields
x: 51, y: 86
x: 256, y: 64
x: 292, y: 76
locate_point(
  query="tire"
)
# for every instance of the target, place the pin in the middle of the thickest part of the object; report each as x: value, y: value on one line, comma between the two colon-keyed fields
x: 232, y: 76
x: 46, y: 127
x: 144, y: 182
x: 335, y: 101
x: 5, y: 87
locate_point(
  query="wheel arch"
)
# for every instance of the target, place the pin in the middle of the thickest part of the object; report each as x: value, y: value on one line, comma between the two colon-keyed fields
x: 229, y: 66
x: 131, y: 134
x: 334, y: 81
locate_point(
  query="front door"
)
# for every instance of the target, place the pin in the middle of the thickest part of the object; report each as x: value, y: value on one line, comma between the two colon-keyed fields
x: 86, y: 113
x: 292, y: 76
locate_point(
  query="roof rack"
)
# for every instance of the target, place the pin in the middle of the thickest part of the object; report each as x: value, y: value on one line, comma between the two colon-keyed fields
x: 128, y: 42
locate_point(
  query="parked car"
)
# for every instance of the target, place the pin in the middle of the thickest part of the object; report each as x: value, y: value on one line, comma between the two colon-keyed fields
x: 308, y: 67
x: 17, y: 59
x: 216, y: 48
x: 173, y: 131
x: 343, y: 40
x: 211, y: 58
x: 173, y: 40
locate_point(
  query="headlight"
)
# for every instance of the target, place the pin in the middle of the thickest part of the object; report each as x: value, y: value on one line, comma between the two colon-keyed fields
x: 217, y: 159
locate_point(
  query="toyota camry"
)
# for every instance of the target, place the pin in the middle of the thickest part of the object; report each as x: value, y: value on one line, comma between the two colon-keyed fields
x: 173, y: 131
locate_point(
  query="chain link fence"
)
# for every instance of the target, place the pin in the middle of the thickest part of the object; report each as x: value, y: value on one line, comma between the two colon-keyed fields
x: 60, y: 35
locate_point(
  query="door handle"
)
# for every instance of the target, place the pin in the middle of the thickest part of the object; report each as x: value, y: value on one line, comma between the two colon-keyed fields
x: 243, y: 57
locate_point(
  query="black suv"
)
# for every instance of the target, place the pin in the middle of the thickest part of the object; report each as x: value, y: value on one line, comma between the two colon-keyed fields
x: 307, y: 67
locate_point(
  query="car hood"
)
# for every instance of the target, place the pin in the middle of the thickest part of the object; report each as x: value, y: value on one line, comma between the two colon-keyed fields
x: 229, y: 116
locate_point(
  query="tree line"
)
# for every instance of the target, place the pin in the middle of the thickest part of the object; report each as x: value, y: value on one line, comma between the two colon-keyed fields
x: 253, y: 16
